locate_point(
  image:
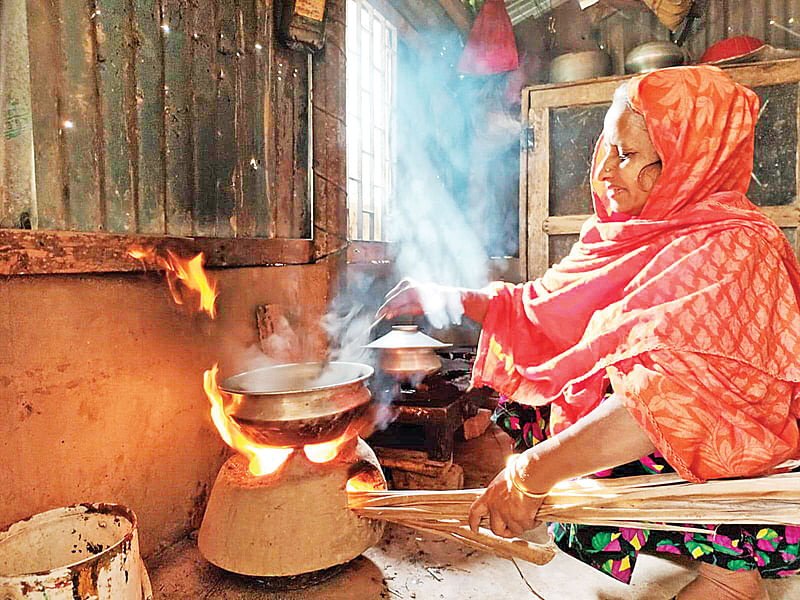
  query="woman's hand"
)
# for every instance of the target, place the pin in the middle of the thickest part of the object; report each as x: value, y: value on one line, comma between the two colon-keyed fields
x: 441, y: 304
x: 510, y: 511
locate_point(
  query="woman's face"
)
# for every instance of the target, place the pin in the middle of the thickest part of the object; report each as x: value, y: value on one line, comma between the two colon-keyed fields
x: 631, y: 165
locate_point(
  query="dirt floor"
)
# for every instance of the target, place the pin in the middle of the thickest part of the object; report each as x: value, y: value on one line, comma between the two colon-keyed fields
x: 408, y: 565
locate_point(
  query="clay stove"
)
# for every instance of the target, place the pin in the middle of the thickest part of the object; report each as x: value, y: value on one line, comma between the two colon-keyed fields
x: 279, y: 506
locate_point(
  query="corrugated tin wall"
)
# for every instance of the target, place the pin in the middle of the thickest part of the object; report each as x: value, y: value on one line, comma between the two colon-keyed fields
x: 169, y: 117
x: 723, y: 19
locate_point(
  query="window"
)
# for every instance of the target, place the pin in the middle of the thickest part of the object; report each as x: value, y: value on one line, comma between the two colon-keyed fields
x: 371, y: 80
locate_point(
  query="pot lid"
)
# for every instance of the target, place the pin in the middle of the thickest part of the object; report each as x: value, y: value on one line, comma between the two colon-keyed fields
x: 406, y: 336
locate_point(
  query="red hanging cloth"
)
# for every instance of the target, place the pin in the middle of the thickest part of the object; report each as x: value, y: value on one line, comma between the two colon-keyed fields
x: 491, y: 47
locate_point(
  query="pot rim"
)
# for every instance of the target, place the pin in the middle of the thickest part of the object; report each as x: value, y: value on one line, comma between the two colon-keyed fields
x: 363, y: 371
x: 60, y: 513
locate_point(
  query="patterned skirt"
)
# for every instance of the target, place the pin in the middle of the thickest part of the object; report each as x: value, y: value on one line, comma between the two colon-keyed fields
x: 773, y: 550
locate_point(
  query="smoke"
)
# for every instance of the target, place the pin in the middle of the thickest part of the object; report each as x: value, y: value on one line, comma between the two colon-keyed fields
x: 350, y: 325
x: 457, y: 172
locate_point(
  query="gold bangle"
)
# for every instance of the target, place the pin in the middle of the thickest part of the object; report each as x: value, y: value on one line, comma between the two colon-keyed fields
x: 511, y: 473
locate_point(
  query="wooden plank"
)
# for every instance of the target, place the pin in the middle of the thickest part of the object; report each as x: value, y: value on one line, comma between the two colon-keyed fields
x: 176, y: 26
x: 253, y: 165
x: 204, y: 147
x: 296, y: 218
x: 330, y: 209
x: 797, y: 174
x: 17, y: 169
x: 243, y: 99
x: 737, y: 19
x: 766, y: 73
x: 414, y: 461
x: 601, y: 89
x: 538, y: 176
x: 43, y: 252
x: 117, y: 97
x: 79, y: 112
x: 564, y: 224
x: 774, y: 11
x: 525, y: 149
x: 755, y: 18
x: 265, y: 44
x: 227, y: 176
x: 283, y: 122
x: 714, y: 25
x: 783, y: 215
x: 271, y: 120
x: 616, y: 43
x: 456, y: 10
x: 150, y: 117
x: 44, y: 38
x: 360, y: 252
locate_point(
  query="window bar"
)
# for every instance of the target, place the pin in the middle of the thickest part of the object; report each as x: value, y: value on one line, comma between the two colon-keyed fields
x: 357, y: 88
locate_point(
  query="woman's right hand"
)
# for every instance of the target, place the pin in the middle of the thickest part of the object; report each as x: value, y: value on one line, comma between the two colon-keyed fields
x: 439, y: 303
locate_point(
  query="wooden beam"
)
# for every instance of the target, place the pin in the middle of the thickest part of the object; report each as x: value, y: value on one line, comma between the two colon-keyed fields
x: 538, y: 177
x: 24, y: 252
x: 423, y: 15
x: 359, y: 252
x: 601, y: 89
x: 456, y: 10
x: 784, y: 216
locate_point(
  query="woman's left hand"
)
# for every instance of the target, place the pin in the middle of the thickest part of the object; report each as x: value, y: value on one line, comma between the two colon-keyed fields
x: 510, y: 512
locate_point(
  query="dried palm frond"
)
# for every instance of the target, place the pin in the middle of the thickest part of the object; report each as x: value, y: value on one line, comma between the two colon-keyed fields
x: 646, y: 502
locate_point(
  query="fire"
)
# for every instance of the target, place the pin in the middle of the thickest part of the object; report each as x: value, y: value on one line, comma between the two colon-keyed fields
x: 263, y: 459
x: 190, y: 272
x: 366, y: 481
x: 326, y: 451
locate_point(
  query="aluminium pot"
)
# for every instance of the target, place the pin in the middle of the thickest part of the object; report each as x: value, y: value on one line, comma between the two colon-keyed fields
x: 406, y: 353
x: 575, y: 66
x: 295, y: 404
x: 654, y: 55
x: 80, y: 551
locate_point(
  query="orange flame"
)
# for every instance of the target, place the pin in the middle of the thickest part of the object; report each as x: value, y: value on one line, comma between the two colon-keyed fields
x: 190, y: 272
x: 263, y: 459
x: 326, y: 451
x: 365, y: 481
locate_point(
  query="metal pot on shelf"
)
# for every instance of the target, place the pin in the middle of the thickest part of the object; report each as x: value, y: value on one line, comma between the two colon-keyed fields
x: 654, y: 55
x: 407, y: 353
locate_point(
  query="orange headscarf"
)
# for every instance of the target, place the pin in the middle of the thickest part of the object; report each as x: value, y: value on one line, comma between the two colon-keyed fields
x: 700, y: 270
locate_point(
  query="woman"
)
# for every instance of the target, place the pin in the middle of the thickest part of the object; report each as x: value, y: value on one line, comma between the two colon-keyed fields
x: 669, y: 338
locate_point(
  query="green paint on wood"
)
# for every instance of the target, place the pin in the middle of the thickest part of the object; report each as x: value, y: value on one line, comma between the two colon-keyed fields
x: 113, y: 57
x: 150, y: 116
x: 176, y: 21
x: 225, y: 167
x: 204, y: 85
x: 79, y: 118
x: 44, y: 39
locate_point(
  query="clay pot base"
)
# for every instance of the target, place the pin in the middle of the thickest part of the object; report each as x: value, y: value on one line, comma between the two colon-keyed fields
x: 290, y: 522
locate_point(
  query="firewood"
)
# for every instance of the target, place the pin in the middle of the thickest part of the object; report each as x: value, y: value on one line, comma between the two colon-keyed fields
x: 648, y: 502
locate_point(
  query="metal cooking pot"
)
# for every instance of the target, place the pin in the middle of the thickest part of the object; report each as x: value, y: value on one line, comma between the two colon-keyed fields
x: 406, y: 352
x: 296, y: 404
x: 652, y: 56
x: 574, y: 66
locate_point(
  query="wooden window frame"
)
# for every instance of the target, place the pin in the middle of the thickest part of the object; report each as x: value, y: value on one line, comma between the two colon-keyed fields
x: 537, y: 225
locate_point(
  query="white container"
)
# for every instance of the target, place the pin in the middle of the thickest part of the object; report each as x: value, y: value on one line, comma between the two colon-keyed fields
x: 87, y: 551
